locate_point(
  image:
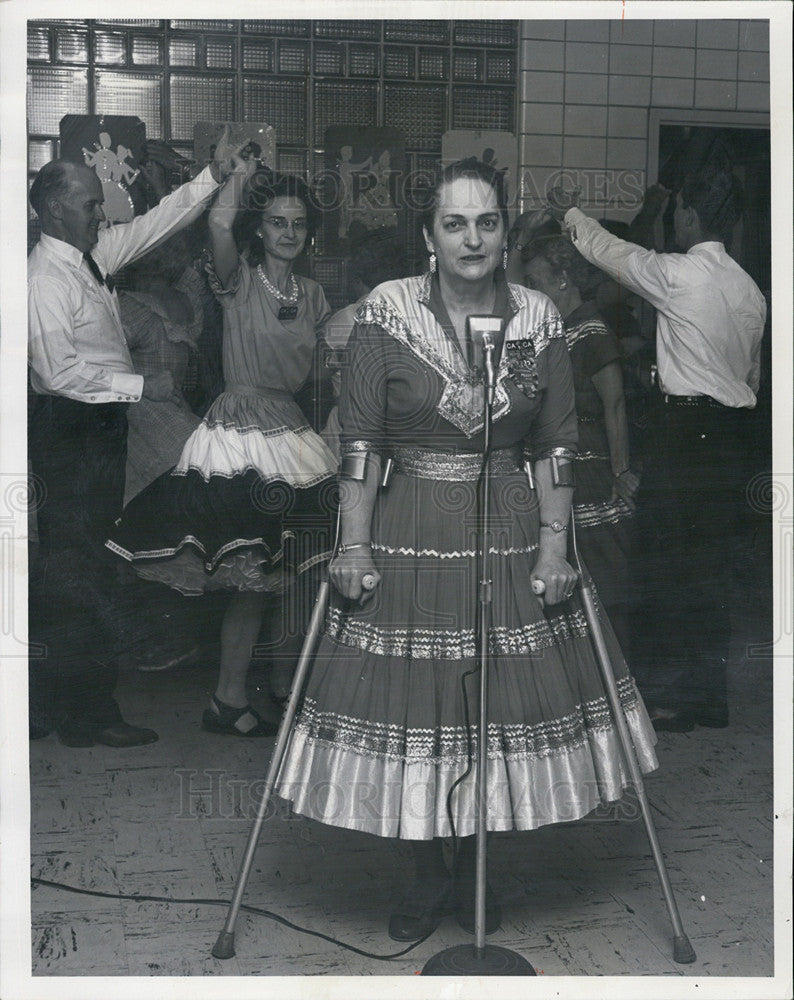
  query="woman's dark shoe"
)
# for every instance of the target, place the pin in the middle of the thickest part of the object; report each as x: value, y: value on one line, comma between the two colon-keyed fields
x: 421, y: 910
x: 229, y: 721
x: 72, y: 733
x: 464, y: 906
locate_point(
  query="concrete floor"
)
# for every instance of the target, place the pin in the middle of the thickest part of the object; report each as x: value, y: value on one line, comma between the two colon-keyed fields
x: 581, y: 899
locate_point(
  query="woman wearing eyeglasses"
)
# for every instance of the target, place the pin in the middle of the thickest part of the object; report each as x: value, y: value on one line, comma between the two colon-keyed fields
x: 253, y: 470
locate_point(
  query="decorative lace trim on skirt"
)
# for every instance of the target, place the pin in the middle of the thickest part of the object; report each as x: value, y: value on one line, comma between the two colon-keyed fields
x: 394, y: 797
x: 451, y: 644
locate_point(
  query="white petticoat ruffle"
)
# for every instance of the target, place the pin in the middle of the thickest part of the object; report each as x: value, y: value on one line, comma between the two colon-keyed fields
x: 299, y: 457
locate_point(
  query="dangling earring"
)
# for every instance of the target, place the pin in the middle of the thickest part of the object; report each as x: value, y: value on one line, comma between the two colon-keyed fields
x: 563, y: 284
x: 259, y: 233
x: 432, y: 262
x: 505, y: 256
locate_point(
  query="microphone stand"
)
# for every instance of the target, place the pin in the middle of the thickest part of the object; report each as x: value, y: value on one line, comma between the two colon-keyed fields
x: 482, y: 959
x: 485, y: 601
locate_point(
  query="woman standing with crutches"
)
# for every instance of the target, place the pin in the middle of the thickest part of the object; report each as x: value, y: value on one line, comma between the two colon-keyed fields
x: 386, y: 727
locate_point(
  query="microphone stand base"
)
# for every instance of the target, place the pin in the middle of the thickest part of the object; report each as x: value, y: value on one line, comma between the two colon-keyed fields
x: 466, y: 960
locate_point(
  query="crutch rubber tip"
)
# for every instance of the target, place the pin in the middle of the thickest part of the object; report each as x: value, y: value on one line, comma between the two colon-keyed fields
x: 683, y: 952
x: 224, y: 946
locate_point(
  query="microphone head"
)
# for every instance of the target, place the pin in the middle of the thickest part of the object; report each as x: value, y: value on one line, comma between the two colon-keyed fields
x: 482, y: 330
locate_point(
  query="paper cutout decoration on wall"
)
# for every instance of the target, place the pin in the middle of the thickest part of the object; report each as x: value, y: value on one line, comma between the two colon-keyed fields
x: 112, y: 146
x: 364, y: 183
x: 259, y: 139
x: 499, y: 149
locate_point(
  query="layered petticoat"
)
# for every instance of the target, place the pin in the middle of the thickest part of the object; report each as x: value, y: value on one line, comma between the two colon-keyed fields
x: 382, y: 734
x: 252, y: 477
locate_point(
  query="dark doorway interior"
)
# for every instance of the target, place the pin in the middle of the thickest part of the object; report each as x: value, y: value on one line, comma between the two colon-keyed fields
x: 683, y: 148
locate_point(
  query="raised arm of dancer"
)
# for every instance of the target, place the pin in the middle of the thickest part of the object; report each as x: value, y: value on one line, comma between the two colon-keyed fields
x: 221, y: 220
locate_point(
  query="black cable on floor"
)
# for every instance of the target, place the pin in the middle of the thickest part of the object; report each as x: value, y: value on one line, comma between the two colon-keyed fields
x: 225, y: 903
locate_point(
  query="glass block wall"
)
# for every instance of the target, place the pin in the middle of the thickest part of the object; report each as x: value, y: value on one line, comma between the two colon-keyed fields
x: 301, y: 76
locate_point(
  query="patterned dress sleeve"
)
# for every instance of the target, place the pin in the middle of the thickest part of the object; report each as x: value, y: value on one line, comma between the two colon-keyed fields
x: 555, y: 425
x: 365, y: 382
x: 600, y: 349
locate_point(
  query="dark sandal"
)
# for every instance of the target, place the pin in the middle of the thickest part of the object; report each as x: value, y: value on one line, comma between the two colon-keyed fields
x: 226, y: 721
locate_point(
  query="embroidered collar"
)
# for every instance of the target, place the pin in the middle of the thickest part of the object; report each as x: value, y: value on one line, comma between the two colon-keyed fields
x: 505, y: 303
x: 393, y: 307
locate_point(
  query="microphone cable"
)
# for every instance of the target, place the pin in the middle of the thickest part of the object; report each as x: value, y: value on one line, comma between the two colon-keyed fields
x: 247, y: 907
x: 259, y: 911
x: 466, y: 710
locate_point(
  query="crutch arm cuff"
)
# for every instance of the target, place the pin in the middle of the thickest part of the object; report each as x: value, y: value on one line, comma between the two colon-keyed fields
x: 562, y: 465
x: 355, y: 458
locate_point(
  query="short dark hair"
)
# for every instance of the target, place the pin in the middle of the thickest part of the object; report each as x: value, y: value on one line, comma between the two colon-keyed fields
x: 473, y: 169
x: 716, y: 196
x: 261, y: 191
x: 52, y: 181
x: 561, y: 255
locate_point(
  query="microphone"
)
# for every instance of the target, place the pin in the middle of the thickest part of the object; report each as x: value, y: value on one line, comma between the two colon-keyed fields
x: 487, y: 337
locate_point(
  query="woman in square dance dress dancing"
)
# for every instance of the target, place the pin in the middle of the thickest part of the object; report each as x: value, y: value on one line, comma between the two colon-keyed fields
x: 254, y: 472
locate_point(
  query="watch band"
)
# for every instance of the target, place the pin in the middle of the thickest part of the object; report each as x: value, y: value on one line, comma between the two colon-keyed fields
x: 342, y: 548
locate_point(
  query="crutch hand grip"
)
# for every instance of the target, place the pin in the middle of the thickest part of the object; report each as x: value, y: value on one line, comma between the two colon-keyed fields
x: 368, y: 582
x: 538, y: 587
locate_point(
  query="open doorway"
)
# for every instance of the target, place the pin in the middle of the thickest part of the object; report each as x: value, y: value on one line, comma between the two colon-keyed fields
x: 680, y: 141
x: 685, y: 147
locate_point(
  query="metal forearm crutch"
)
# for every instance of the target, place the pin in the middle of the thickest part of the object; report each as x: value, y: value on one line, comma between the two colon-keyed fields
x: 683, y: 952
x: 224, y: 946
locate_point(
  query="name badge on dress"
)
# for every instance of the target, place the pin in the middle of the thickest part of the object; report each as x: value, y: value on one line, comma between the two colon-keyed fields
x: 288, y: 312
x: 522, y: 365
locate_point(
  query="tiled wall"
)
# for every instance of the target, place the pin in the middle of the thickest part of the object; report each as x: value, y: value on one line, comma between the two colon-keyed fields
x: 587, y: 88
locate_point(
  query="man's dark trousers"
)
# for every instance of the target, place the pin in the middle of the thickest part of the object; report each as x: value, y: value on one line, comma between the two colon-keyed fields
x: 692, y: 499
x: 78, y: 452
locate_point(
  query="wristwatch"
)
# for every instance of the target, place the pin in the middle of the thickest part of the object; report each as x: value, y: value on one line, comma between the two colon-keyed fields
x: 556, y: 526
x: 341, y: 548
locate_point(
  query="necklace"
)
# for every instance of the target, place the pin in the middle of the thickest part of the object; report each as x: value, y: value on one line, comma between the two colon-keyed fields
x: 291, y: 296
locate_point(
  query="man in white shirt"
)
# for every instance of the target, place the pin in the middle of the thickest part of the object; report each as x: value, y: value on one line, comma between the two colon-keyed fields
x: 710, y: 322
x: 82, y: 381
